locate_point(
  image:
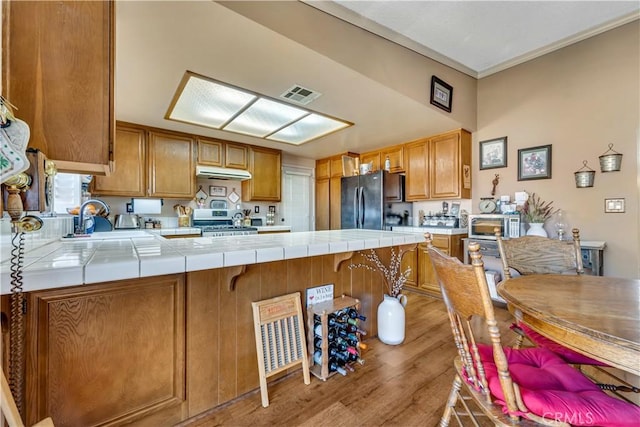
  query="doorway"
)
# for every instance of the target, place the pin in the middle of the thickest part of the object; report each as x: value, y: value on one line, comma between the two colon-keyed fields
x: 297, y: 197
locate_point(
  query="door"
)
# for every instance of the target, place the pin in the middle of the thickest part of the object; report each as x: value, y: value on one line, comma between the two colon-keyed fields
x: 297, y: 192
x: 371, y: 200
x: 349, y: 197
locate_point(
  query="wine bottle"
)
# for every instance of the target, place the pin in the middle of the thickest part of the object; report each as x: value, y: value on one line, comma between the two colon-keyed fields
x: 331, y: 332
x: 354, y: 329
x: 353, y: 313
x: 317, y: 357
x: 339, y: 355
x: 335, y: 367
x: 317, y: 342
x: 337, y: 324
x: 347, y: 335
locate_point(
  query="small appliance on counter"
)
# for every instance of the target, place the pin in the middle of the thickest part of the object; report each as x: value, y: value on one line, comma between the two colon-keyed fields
x: 126, y: 222
x: 445, y: 221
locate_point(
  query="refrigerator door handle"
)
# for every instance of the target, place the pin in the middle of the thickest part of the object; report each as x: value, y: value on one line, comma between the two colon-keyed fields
x: 361, y: 209
x: 355, y: 207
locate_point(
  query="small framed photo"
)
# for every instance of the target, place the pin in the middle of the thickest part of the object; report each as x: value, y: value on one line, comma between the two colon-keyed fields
x: 217, y: 191
x: 493, y: 153
x: 534, y: 163
x: 441, y: 94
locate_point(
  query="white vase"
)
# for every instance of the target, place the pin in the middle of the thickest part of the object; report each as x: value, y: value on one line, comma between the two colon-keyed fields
x: 391, y: 319
x: 537, y: 229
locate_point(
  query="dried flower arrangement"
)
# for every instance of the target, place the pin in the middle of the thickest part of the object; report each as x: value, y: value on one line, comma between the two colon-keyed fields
x: 393, y: 278
x: 537, y: 210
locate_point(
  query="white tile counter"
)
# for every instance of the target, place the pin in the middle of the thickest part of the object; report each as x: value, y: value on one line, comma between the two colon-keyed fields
x: 110, y: 256
x: 432, y: 230
x: 273, y: 228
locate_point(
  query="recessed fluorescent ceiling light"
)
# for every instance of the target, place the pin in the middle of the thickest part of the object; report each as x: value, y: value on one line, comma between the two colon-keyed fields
x: 206, y: 102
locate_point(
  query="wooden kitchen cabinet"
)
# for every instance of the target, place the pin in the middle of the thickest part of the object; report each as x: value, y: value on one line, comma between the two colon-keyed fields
x: 335, y: 203
x: 423, y: 278
x: 266, y: 171
x: 396, y: 158
x: 323, y: 169
x: 171, y: 169
x: 236, y: 156
x: 150, y: 162
x: 328, y: 191
x: 323, y: 215
x: 377, y: 158
x: 438, y: 167
x: 373, y: 158
x: 417, y: 170
x: 129, y: 178
x: 450, y: 165
x: 215, y: 152
x: 57, y: 69
x: 210, y: 152
x: 108, y: 353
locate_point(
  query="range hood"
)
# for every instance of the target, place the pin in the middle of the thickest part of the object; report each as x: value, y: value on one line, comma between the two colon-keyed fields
x: 214, y: 172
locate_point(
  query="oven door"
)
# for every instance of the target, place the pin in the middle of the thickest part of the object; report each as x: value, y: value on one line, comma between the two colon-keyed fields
x: 483, y: 226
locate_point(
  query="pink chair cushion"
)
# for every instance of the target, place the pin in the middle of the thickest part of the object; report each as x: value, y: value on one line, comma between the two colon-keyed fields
x: 553, y: 389
x: 567, y: 354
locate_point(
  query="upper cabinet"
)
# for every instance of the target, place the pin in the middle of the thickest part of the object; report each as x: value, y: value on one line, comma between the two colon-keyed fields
x: 150, y: 162
x: 129, y: 177
x: 171, y: 165
x: 57, y: 69
x: 216, y: 152
x: 210, y: 152
x: 450, y: 165
x: 417, y: 170
x: 438, y: 167
x: 236, y: 156
x: 396, y: 158
x: 265, y: 182
x: 372, y: 157
x: 378, y: 158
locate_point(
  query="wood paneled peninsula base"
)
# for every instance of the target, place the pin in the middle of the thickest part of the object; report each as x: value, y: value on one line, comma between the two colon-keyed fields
x: 159, y: 350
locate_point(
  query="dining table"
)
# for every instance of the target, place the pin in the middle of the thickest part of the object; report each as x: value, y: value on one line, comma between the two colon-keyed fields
x: 597, y: 316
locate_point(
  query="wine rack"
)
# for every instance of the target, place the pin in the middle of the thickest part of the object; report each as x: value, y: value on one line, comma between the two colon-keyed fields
x: 318, y: 314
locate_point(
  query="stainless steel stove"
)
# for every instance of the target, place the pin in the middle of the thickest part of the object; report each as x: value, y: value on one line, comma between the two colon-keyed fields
x: 219, y: 222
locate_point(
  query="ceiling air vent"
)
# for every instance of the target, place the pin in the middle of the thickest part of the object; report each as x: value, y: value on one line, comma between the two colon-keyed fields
x: 300, y: 95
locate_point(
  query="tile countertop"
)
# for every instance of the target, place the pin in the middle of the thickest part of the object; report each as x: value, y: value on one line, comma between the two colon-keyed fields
x: 107, y: 256
x: 432, y: 230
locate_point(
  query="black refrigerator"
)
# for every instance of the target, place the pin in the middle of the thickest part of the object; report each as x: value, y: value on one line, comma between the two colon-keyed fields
x: 365, y: 200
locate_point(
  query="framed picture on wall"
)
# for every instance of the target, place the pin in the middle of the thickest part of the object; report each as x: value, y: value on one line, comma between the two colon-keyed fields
x: 217, y: 191
x: 441, y: 94
x: 493, y: 153
x: 534, y: 163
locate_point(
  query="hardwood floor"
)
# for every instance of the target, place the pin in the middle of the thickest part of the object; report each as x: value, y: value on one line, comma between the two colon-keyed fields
x: 404, y: 385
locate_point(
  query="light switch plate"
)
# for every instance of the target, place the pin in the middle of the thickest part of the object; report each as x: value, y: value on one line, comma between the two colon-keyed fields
x: 614, y: 205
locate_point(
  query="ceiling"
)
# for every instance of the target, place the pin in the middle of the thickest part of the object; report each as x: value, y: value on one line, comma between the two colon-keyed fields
x: 158, y: 41
x: 482, y: 37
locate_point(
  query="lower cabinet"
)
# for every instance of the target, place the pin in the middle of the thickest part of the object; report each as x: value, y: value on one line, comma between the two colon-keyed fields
x: 423, y: 277
x: 107, y: 353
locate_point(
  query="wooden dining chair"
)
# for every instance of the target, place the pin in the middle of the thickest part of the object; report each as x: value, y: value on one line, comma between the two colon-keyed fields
x: 523, y: 387
x: 541, y: 255
x: 10, y: 410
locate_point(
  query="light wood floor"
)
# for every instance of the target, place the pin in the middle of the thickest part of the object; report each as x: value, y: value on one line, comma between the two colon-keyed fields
x: 404, y: 385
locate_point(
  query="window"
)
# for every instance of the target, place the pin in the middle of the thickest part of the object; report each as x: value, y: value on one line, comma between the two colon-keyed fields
x: 67, y: 190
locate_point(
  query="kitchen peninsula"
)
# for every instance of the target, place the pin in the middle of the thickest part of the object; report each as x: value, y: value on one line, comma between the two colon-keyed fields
x: 123, y: 328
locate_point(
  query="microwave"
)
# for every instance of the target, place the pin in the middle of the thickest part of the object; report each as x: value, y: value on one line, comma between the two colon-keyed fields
x: 482, y: 226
